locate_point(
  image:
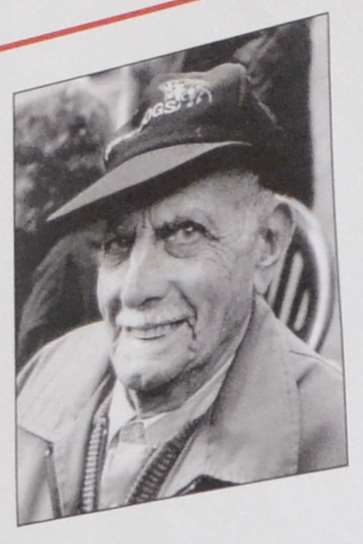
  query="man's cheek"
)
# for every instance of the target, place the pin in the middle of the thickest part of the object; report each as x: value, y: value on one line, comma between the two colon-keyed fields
x: 105, y: 295
x: 219, y: 265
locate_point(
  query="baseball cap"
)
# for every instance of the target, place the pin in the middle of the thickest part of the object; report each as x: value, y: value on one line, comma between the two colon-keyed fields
x: 183, y: 117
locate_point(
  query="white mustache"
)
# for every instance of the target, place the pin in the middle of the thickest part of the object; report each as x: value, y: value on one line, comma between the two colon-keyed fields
x: 149, y: 320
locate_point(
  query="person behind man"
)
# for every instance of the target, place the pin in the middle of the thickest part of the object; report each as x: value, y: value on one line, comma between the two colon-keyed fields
x: 189, y: 383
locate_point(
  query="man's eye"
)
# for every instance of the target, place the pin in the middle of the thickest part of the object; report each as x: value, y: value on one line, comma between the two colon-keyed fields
x: 116, y: 247
x: 185, y: 233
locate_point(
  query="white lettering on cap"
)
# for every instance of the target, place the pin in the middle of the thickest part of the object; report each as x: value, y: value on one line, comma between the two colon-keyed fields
x: 179, y: 94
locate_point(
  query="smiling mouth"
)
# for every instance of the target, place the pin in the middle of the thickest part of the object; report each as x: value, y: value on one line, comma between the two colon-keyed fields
x: 152, y: 332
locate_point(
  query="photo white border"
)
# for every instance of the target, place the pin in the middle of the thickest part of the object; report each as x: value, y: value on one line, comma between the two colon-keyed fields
x: 320, y: 507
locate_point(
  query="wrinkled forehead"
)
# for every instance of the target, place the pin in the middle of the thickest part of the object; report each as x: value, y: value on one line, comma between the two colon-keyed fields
x: 212, y: 195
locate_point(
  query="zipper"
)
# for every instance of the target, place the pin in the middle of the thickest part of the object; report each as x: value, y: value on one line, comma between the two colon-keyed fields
x: 101, y: 454
x: 95, y: 456
x: 152, y: 476
x: 52, y: 482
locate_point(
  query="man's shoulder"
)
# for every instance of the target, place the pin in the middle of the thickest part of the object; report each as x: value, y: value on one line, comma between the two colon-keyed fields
x: 92, y: 334
x: 320, y: 388
x: 307, y: 364
x: 61, y: 378
x: 75, y: 348
x: 304, y: 363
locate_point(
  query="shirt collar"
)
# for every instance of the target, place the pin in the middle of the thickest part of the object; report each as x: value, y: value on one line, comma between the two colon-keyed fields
x: 161, y: 427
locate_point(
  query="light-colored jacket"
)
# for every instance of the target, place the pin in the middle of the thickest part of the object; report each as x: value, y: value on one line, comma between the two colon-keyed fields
x: 279, y: 412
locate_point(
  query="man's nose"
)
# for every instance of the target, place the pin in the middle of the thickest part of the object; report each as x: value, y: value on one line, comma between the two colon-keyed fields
x: 146, y: 279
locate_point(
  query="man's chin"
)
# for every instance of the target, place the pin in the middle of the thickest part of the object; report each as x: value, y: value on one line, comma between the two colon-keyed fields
x: 145, y: 364
x: 147, y: 374
x: 135, y: 381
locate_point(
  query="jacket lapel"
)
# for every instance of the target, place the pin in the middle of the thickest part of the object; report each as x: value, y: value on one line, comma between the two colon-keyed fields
x: 69, y: 450
x: 59, y: 400
x: 253, y: 431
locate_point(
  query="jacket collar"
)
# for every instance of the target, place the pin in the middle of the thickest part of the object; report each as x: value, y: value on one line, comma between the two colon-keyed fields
x: 253, y: 431
x: 60, y: 391
x: 61, y: 381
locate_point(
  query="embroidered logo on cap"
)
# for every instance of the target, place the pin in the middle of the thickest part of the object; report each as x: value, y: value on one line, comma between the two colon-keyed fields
x: 178, y: 94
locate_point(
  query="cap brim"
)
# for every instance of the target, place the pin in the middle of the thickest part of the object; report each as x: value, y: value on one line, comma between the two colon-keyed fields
x: 137, y: 170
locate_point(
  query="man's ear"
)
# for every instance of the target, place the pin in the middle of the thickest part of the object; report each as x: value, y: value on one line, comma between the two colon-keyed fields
x: 274, y: 237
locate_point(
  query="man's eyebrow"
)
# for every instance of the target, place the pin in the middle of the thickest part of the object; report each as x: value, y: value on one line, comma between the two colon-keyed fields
x: 192, y: 214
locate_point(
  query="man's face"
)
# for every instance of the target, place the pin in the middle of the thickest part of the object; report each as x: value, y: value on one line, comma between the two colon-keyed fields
x: 176, y: 281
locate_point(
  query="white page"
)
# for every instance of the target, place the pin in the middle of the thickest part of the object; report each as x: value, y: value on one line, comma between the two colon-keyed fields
x: 320, y: 507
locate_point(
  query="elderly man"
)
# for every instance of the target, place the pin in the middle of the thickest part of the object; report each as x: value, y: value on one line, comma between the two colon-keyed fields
x: 190, y: 383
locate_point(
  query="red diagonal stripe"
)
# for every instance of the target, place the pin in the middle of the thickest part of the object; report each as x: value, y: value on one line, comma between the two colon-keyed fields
x: 94, y: 24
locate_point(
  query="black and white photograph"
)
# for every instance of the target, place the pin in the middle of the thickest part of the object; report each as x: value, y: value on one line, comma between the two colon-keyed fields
x: 177, y: 306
